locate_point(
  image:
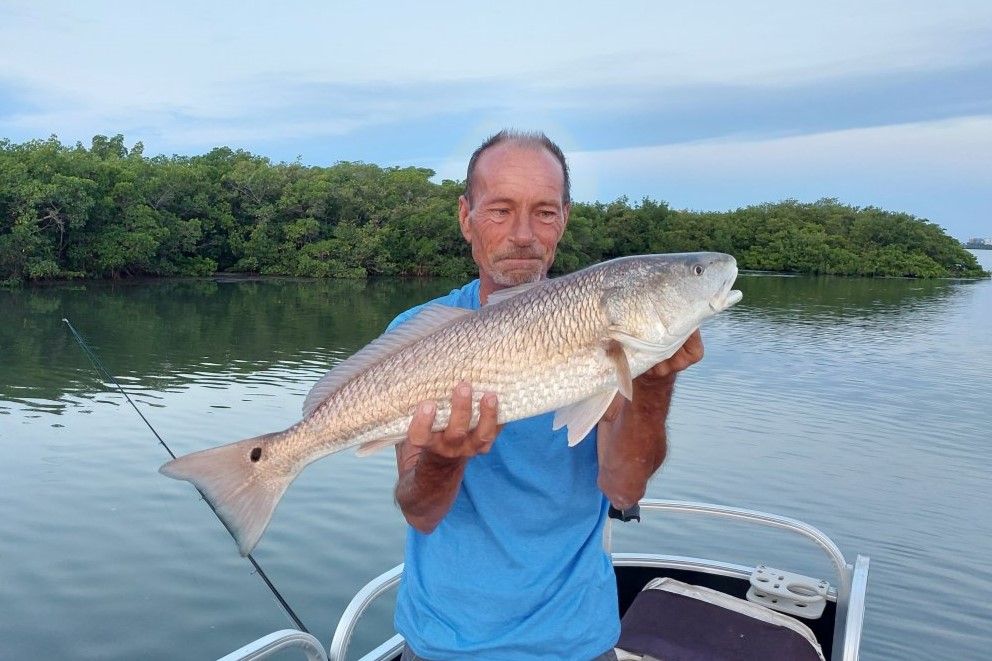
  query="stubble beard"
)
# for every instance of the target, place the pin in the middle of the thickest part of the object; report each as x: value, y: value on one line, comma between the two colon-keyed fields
x: 514, y: 277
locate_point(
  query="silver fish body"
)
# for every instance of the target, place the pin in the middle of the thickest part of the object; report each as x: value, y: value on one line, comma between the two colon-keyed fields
x: 568, y: 345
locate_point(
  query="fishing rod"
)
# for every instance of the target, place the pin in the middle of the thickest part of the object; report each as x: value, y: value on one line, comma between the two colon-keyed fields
x: 105, y: 372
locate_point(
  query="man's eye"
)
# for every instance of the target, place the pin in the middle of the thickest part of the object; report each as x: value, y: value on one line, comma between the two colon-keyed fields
x: 547, y: 216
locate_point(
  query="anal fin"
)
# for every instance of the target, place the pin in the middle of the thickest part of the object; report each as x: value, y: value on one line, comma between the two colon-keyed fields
x: 371, y: 447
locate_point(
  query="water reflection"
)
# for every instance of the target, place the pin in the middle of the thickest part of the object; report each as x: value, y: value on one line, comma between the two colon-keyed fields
x: 163, y: 334
x: 811, y: 300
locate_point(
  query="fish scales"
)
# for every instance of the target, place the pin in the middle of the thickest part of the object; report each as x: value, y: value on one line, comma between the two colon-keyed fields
x: 567, y: 345
x: 462, y: 351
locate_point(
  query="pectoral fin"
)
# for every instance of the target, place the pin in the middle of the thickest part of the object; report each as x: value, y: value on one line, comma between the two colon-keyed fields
x: 582, y: 416
x: 656, y: 351
x: 615, y: 352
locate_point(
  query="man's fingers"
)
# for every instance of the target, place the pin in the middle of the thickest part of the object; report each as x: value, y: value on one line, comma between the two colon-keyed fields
x: 419, y: 432
x: 461, y: 413
x: 457, y: 440
x: 488, y: 428
x: 690, y: 353
x: 693, y: 348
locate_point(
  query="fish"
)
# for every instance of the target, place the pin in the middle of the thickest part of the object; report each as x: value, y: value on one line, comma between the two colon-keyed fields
x: 567, y: 344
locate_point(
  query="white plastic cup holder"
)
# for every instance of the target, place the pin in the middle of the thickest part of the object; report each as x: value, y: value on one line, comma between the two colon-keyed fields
x: 787, y: 592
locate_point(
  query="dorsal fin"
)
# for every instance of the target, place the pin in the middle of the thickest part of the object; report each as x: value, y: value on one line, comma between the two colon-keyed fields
x: 430, y: 318
x: 504, y: 294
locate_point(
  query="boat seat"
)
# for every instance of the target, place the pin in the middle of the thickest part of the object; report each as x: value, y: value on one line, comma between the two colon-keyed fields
x: 673, y: 621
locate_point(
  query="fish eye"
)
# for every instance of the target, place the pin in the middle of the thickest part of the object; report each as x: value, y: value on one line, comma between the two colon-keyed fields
x: 697, y: 269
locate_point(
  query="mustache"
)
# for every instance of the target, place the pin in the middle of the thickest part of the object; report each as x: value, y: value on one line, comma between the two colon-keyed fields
x: 519, y: 254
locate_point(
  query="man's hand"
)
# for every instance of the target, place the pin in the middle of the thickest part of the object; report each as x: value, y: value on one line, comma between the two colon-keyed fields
x: 457, y: 440
x: 690, y: 353
x: 431, y: 463
x: 661, y: 377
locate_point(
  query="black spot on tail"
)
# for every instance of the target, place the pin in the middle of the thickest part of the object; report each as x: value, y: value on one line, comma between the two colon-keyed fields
x: 256, y: 454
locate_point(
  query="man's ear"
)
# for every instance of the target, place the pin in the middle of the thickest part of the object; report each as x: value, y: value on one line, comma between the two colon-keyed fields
x: 464, y: 222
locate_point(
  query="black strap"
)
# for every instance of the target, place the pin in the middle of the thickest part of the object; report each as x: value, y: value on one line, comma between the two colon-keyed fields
x: 629, y: 514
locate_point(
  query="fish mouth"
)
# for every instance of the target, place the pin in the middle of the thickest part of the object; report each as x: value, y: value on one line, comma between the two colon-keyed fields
x: 726, y: 297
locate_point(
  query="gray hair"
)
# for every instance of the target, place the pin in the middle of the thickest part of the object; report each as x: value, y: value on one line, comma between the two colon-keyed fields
x: 527, y: 139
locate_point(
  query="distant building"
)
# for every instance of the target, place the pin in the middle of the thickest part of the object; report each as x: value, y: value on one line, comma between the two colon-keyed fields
x: 985, y: 244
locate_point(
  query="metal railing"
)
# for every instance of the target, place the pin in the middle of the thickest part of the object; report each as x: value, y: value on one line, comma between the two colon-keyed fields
x: 278, y: 641
x: 849, y: 593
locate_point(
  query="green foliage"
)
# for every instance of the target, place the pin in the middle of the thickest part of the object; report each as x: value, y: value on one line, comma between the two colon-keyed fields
x: 825, y: 237
x: 109, y: 211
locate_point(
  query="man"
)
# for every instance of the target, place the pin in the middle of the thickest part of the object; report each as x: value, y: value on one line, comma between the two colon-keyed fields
x: 504, y: 556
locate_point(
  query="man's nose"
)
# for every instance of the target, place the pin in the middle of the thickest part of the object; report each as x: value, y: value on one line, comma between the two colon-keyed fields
x: 523, y: 233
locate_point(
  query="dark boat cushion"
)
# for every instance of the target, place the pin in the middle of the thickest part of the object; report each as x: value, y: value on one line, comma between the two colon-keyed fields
x: 673, y: 621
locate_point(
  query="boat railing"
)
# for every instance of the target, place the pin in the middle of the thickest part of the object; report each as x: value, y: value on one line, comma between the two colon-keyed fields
x: 849, y: 593
x: 276, y: 642
x: 751, y: 516
x: 353, y: 612
x: 852, y: 579
x: 851, y: 612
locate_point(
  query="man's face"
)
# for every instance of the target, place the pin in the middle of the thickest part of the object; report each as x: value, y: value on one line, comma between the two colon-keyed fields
x: 516, y: 216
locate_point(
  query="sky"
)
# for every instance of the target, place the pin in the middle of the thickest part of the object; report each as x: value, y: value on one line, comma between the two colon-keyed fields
x: 705, y: 105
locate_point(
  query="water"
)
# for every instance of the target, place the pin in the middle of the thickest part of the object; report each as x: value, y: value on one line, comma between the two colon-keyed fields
x: 859, y: 406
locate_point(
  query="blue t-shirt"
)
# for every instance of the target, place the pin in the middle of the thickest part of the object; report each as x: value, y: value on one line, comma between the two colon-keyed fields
x: 516, y: 570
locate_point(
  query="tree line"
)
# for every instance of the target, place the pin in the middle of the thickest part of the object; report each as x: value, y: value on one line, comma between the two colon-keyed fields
x: 107, y: 211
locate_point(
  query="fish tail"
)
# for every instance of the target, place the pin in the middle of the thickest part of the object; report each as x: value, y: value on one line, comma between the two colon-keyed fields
x: 242, y: 481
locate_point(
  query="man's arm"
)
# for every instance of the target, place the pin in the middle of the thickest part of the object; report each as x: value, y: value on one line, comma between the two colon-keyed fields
x: 632, y: 436
x: 431, y: 464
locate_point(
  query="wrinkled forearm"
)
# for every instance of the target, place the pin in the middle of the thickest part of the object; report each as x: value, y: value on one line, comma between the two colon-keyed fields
x: 634, y: 444
x: 426, y: 488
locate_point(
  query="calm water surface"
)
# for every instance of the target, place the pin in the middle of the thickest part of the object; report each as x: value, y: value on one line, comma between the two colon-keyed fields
x: 859, y: 406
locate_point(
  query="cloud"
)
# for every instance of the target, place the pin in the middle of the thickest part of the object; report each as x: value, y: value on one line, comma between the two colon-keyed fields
x: 698, y: 87
x: 958, y: 148
x: 223, y: 71
x: 947, y: 164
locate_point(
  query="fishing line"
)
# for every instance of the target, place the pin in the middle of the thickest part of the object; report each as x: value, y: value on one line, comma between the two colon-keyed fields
x: 106, y: 373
